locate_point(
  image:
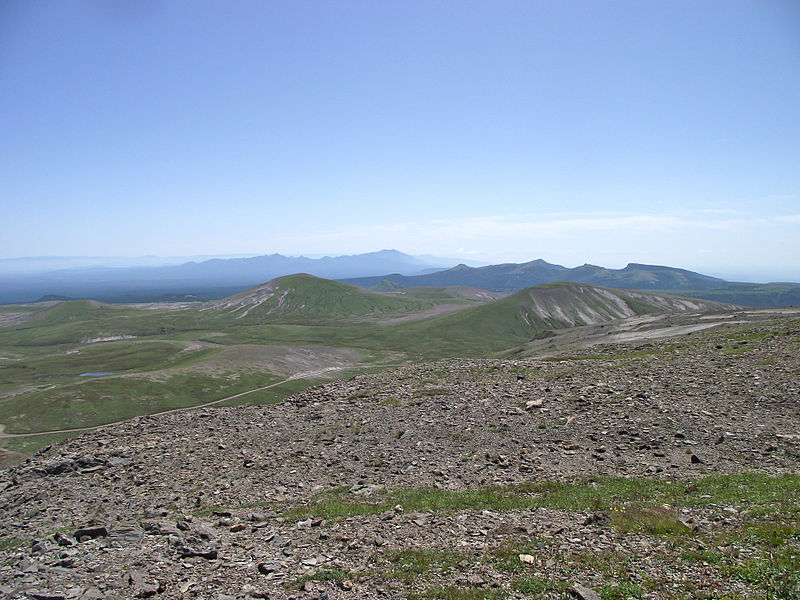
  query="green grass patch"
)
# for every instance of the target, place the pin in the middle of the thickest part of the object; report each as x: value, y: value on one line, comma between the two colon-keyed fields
x: 773, y: 494
x: 454, y: 593
x: 710, y: 557
x: 611, y: 564
x: 335, y: 575
x: 408, y: 564
x: 431, y: 392
x: 776, y: 572
x: 652, y: 520
x: 12, y: 543
x: 66, y: 364
x: 273, y: 395
x: 620, y: 591
x: 772, y: 534
x: 114, y: 398
x: 31, y: 444
x: 539, y: 586
x: 506, y: 556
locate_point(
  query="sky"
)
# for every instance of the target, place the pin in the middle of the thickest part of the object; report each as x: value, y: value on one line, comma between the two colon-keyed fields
x: 661, y: 132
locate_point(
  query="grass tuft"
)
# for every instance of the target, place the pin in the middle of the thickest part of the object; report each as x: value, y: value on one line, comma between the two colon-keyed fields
x: 653, y: 520
x: 410, y: 563
x: 452, y: 593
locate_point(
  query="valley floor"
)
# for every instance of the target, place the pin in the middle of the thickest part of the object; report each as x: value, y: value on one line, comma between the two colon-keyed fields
x: 663, y: 470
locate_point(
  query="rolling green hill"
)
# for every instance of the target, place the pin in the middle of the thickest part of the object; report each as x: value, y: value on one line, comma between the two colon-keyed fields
x: 534, y: 312
x: 266, y: 343
x: 307, y: 299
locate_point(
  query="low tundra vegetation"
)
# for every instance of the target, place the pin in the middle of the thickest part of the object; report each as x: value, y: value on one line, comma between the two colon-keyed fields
x: 635, y: 502
x: 760, y: 548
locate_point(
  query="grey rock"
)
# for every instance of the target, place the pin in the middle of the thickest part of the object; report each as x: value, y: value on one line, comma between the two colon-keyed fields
x: 584, y: 593
x: 142, y: 587
x: 256, y: 517
x: 205, y: 531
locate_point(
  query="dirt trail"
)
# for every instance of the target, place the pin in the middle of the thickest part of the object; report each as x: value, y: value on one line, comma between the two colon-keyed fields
x: 306, y: 374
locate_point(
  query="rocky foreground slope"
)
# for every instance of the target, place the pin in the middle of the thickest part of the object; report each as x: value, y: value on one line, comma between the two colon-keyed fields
x: 457, y: 479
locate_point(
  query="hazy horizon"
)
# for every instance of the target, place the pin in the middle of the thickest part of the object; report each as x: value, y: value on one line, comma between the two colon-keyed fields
x: 32, y: 265
x: 658, y: 133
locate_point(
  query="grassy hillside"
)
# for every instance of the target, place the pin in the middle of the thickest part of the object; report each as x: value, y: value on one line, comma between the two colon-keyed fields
x: 643, y: 277
x: 170, y: 357
x: 307, y: 299
x: 82, y: 321
x: 530, y: 314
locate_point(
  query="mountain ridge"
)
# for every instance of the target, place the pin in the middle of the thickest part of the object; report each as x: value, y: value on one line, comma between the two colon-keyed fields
x: 208, y: 279
x: 511, y: 277
x: 221, y: 277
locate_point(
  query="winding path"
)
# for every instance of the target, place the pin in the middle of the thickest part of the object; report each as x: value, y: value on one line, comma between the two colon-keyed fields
x: 4, y: 435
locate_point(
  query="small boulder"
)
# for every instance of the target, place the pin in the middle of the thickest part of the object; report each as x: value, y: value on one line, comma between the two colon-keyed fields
x: 142, y: 588
x: 584, y: 593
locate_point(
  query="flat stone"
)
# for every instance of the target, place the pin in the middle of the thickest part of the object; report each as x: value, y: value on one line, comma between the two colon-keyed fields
x: 584, y: 593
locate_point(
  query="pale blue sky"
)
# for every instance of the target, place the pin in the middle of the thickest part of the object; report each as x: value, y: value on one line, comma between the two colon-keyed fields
x: 606, y: 132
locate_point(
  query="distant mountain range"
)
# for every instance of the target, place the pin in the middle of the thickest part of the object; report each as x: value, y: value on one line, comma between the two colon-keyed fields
x: 208, y: 279
x: 512, y: 277
x: 383, y: 271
